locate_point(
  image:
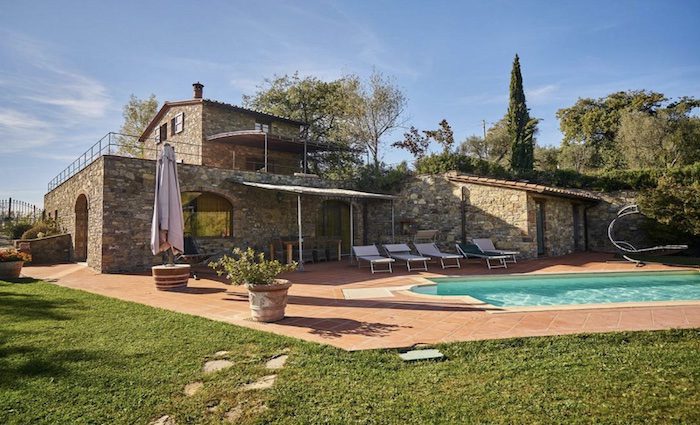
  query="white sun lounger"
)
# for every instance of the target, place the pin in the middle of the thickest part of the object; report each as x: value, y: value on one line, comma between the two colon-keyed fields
x: 370, y: 254
x: 471, y: 250
x: 431, y: 250
x: 487, y: 246
x: 401, y: 252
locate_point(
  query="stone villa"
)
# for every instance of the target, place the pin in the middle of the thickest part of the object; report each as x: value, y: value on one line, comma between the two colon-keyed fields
x: 243, y: 176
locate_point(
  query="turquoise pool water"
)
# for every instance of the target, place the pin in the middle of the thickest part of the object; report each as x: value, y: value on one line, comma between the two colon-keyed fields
x: 572, y: 288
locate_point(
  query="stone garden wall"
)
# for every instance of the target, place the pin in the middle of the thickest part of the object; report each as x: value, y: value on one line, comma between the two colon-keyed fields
x: 48, y: 250
x: 600, y: 216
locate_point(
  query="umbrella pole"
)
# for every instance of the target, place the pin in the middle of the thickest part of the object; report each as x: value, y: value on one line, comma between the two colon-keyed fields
x: 300, y: 266
x: 171, y: 257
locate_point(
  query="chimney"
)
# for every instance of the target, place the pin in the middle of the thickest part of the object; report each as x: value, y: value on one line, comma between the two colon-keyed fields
x: 198, y: 89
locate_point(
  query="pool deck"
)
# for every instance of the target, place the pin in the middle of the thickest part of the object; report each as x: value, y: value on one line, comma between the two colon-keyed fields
x: 338, y: 304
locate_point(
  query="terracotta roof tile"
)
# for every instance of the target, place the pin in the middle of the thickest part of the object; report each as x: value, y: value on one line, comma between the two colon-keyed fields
x: 523, y: 185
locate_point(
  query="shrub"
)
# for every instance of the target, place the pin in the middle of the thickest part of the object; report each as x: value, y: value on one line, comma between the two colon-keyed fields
x: 385, y: 179
x: 607, y: 180
x: 45, y: 228
x: 248, y: 268
x: 673, y: 204
x: 16, y: 230
x: 10, y: 255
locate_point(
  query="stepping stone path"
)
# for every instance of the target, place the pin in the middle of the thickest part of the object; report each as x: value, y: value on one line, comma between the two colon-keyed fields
x: 222, y: 353
x: 233, y: 414
x: 191, y: 389
x: 261, y: 384
x: 216, y: 365
x: 277, y: 362
x: 163, y: 420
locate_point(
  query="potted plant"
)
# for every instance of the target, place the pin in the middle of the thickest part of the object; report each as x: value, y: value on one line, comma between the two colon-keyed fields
x: 266, y: 293
x: 11, y: 262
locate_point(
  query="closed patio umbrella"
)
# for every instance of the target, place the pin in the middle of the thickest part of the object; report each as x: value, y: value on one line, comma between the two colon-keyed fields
x: 168, y: 225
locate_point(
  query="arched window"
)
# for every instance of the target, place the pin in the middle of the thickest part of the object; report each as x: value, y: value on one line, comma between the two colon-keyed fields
x: 207, y: 214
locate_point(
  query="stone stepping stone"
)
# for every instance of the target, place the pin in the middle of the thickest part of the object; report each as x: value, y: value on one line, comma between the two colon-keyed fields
x: 191, y: 389
x: 221, y: 353
x: 414, y: 355
x: 163, y: 420
x: 261, y: 384
x: 233, y: 414
x: 216, y: 365
x: 277, y: 362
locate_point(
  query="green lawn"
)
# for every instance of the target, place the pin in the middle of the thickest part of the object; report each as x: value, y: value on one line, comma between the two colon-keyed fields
x: 72, y: 357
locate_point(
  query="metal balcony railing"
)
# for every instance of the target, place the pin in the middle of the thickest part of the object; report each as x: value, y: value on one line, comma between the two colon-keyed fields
x: 128, y: 146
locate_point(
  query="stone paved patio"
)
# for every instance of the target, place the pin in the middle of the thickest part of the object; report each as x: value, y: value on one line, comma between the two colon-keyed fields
x: 318, y: 310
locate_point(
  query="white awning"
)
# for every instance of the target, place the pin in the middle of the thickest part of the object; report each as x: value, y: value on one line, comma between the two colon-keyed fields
x: 318, y: 191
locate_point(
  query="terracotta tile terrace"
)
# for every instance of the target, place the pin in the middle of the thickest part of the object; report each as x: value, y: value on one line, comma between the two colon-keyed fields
x: 338, y: 304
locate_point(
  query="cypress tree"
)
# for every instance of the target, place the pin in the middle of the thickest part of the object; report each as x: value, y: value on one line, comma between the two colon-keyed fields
x: 521, y: 128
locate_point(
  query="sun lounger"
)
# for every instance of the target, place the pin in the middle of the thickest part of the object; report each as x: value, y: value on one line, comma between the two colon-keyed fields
x: 402, y: 252
x: 370, y: 254
x: 487, y: 245
x: 471, y: 250
x: 431, y: 250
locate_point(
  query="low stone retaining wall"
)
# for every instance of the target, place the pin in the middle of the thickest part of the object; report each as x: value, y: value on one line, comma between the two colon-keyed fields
x: 49, y: 250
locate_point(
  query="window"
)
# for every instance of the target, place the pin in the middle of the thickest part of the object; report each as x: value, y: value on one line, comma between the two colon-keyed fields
x: 265, y: 128
x: 177, y: 124
x: 207, y: 214
x: 162, y: 133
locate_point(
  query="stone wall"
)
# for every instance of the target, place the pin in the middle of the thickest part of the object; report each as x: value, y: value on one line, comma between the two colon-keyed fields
x: 558, y: 224
x: 600, y: 216
x: 258, y: 215
x: 48, y: 250
x: 506, y: 216
x: 221, y: 118
x: 88, y: 182
x: 188, y: 143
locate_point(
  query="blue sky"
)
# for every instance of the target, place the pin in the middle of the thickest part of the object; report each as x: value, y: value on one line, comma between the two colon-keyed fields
x: 66, y: 68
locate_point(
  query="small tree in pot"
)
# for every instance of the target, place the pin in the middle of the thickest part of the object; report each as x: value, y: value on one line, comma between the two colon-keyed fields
x: 267, y: 294
x: 11, y: 262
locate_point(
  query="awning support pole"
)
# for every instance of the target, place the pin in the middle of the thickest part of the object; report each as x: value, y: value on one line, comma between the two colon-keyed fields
x: 393, y: 236
x: 352, y: 232
x: 305, y: 153
x: 266, y: 152
x: 300, y: 267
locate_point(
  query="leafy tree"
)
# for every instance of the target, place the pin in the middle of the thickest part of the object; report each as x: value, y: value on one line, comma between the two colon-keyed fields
x: 673, y: 204
x: 665, y: 139
x: 547, y: 158
x: 380, y: 111
x: 521, y: 128
x: 414, y: 142
x: 591, y: 125
x: 495, y: 147
x: 137, y: 115
x: 444, y: 136
x: 417, y: 144
x: 327, y: 107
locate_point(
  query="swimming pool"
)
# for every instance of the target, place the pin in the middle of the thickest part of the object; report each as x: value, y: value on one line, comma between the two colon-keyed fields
x: 571, y: 288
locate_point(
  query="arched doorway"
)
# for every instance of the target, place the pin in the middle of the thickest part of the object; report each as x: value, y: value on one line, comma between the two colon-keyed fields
x: 81, y: 228
x: 334, y: 222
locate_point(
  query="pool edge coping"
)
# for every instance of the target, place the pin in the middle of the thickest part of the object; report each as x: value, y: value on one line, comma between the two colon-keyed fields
x: 492, y: 309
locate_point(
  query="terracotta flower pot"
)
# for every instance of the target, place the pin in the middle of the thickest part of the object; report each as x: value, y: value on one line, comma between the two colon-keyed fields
x: 171, y: 277
x: 10, y: 269
x: 267, y: 302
